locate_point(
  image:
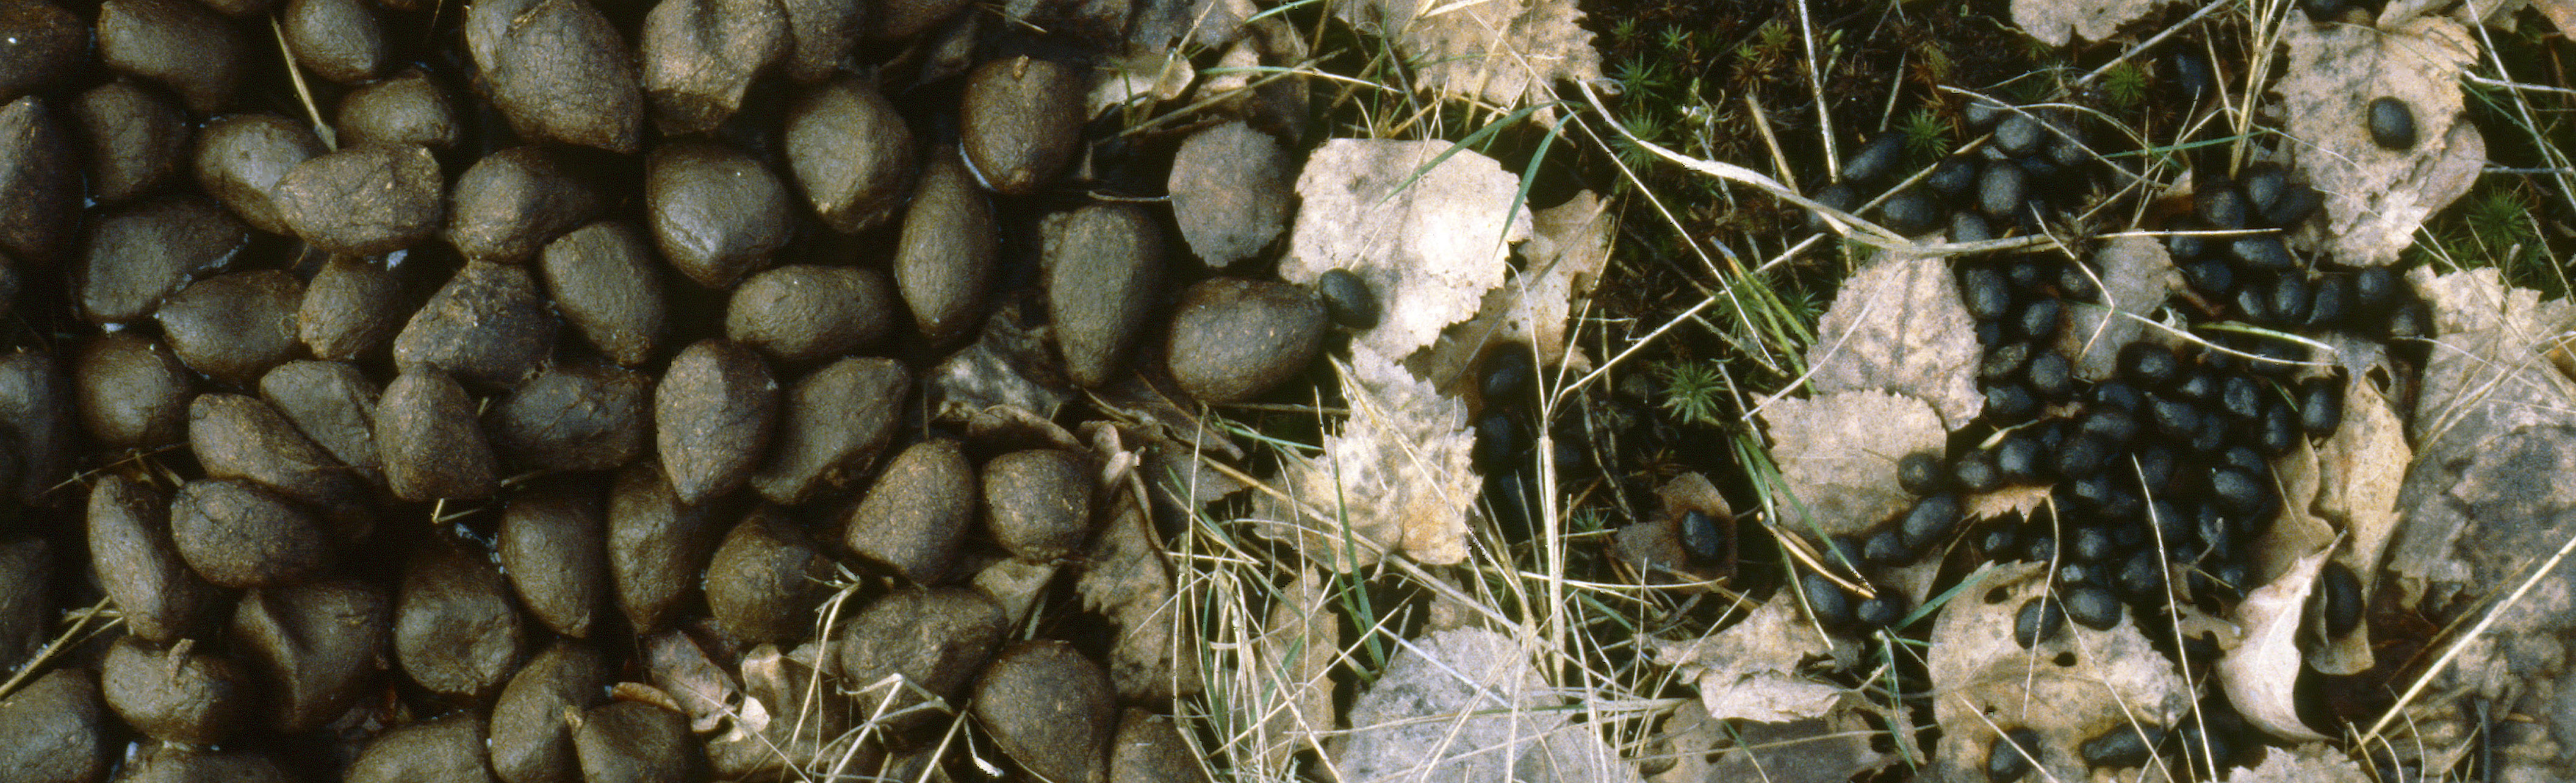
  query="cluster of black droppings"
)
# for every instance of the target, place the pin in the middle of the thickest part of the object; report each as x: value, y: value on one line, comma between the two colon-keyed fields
x: 2033, y: 166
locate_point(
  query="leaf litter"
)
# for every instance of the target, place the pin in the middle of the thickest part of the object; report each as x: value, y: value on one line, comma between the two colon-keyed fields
x: 1502, y: 52
x: 2068, y: 689
x: 2376, y: 198
x: 1466, y: 704
x: 1755, y: 670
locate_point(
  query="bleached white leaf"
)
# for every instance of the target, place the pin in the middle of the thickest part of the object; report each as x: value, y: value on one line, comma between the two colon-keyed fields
x: 1751, y: 669
x: 2375, y: 198
x: 1898, y: 326
x: 1430, y: 247
x: 1837, y: 455
x: 2260, y: 673
x: 2059, y: 21
x: 1398, y: 477
x: 1463, y: 705
x: 1503, y: 52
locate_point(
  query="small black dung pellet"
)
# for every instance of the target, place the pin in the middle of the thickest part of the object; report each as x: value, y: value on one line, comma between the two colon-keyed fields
x: 2142, y: 576
x: 1999, y: 542
x: 2174, y: 419
x: 2262, y: 251
x: 2279, y: 430
x: 2291, y: 298
x: 2117, y: 394
x: 2040, y: 620
x: 2076, y: 573
x: 2212, y: 277
x: 1703, y: 538
x: 1953, y: 177
x: 2005, y: 362
x: 2093, y: 606
x: 2208, y: 740
x: 2254, y: 299
x: 2325, y: 11
x: 2245, y: 457
x: 1966, y: 226
x: 2216, y: 531
x: 1840, y: 195
x: 2229, y: 580
x: 2010, y: 403
x: 1832, y: 606
x: 2039, y: 547
x: 2340, y: 591
x: 2375, y: 288
x: 2149, y: 365
x: 2198, y: 385
x: 2298, y: 203
x: 2321, y: 406
x: 2241, y: 396
x: 2124, y: 746
x: 2190, y: 74
x: 1910, y: 212
x: 2021, y: 458
x: 1876, y: 159
x: 2076, y: 282
x: 2001, y: 189
x: 2275, y: 358
x: 2411, y: 321
x: 1347, y: 299
x: 1887, y: 548
x: 1983, y: 114
x: 1984, y: 291
x: 1882, y: 611
x: 2085, y: 455
x: 2264, y: 184
x: 2392, y: 124
x: 2091, y: 543
x: 2011, y: 757
x: 2050, y: 376
x: 1509, y: 374
x: 2019, y: 135
x: 2037, y: 320
x: 2186, y: 247
x: 1975, y: 472
x: 2026, y: 274
x: 2212, y: 434
x: 1931, y: 521
x: 2114, y: 426
x: 1497, y: 441
x: 2239, y: 490
x: 2218, y: 203
x: 1843, y: 555
x: 2155, y: 466
x: 1921, y: 473
x: 2333, y: 301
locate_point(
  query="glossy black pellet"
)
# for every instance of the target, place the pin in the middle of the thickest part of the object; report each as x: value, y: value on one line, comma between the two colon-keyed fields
x: 2155, y: 466
x: 2026, y: 274
x: 2120, y: 500
x: 2375, y: 288
x: 1509, y: 373
x: 2078, y: 573
x: 2124, y: 746
x: 2091, y: 543
x: 2291, y: 298
x: 2212, y: 277
x: 2050, y: 376
x: 1498, y: 440
x: 2241, y: 396
x: 1931, y: 521
x: 1999, y: 542
x: 1966, y: 226
x: 1840, y: 195
x: 2188, y: 70
x: 2221, y: 207
x: 2149, y: 365
x: 2340, y: 590
x: 2068, y: 148
x: 2264, y: 184
x: 1845, y: 555
x: 2019, y: 135
x: 1975, y: 472
x: 1702, y: 537
x: 2037, y: 319
x: 2176, y: 419
x: 1954, y: 176
x: 2010, y: 403
x: 2115, y: 427
x: 2247, y: 458
x: 2212, y: 434
x: 2230, y: 579
x: 1880, y: 612
x: 2262, y: 251
x: 1832, y: 607
x: 1921, y: 473
x: 2142, y: 576
x: 1886, y: 548
x: 2039, y: 547
x: 2238, y: 489
x: 1347, y: 299
x: 2186, y: 247
x: 1982, y: 114
x: 2010, y: 759
x: 2333, y: 301
x: 2005, y: 362
x: 2254, y: 300
x: 2086, y: 455
x: 2209, y: 742
x: 2392, y: 124
x: 2298, y: 203
x: 2127, y: 535
x: 1983, y: 290
x: 2076, y: 282
x: 1876, y: 159
x: 2019, y: 457
x: 2172, y: 526
x: 2275, y: 358
x: 2001, y: 190
x: 2198, y: 385
x: 2040, y: 620
x: 2279, y: 430
x: 2093, y: 606
x: 2325, y: 11
x: 1910, y: 212
x: 2321, y: 406
x: 2410, y: 321
x: 2117, y: 394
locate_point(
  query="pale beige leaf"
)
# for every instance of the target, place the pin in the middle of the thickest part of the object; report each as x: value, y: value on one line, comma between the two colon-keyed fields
x: 1985, y: 682
x: 2375, y: 197
x: 1290, y: 661
x: 1503, y: 52
x: 2310, y: 763
x: 1561, y: 263
x: 1396, y: 478
x: 1837, y: 456
x: 2136, y: 275
x: 1155, y: 657
x: 1430, y: 246
x: 2365, y: 467
x: 2020, y: 499
x: 2488, y: 403
x: 1898, y: 326
x: 2059, y: 21
x: 1830, y: 748
x: 1751, y: 670
x: 2259, y: 674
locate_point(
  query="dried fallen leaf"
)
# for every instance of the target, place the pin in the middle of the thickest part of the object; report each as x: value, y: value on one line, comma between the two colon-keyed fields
x: 2375, y: 197
x: 2489, y: 405
x: 1752, y: 669
x: 1831, y: 748
x: 1288, y: 666
x: 2068, y: 689
x: 2020, y: 499
x: 1837, y: 455
x: 1126, y: 580
x: 2053, y: 21
x: 1467, y: 705
x: 2136, y: 276
x: 1561, y: 264
x: 2310, y: 763
x: 680, y: 668
x: 2260, y: 673
x: 1503, y: 52
x: 1430, y: 243
x: 1397, y: 478
x: 1898, y: 326
x: 2364, y: 466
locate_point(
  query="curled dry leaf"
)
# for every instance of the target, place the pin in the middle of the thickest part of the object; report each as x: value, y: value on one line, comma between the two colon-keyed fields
x: 2069, y: 689
x: 1430, y: 243
x: 701, y: 689
x: 2376, y: 197
x: 1751, y: 670
x: 2363, y: 465
x: 2136, y: 276
x: 1837, y: 456
x: 1155, y: 657
x: 1561, y: 264
x: 2053, y: 21
x: 2259, y: 674
x: 1289, y: 664
x: 1502, y: 52
x: 1397, y: 478
x: 1898, y: 326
